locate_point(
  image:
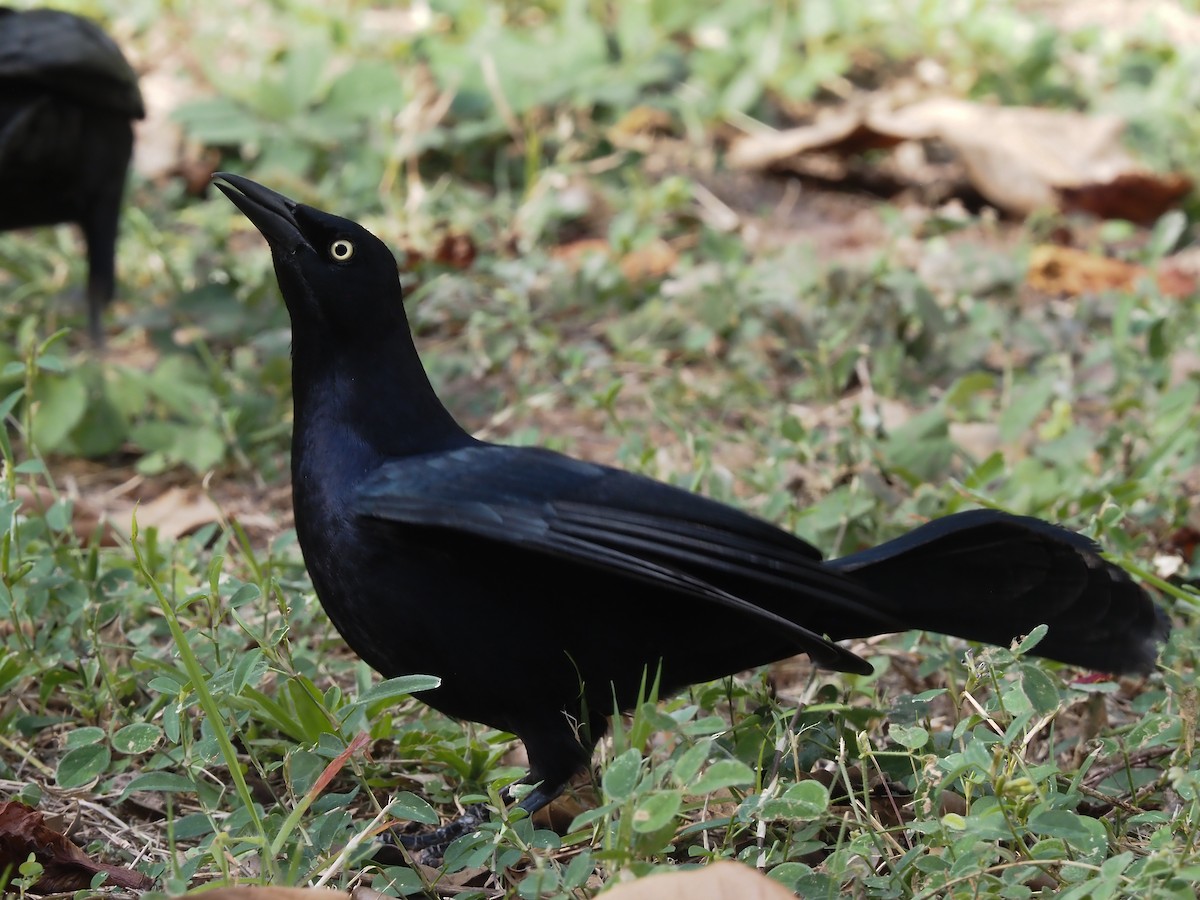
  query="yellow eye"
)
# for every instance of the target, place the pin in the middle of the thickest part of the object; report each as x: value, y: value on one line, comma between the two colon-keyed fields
x: 341, y: 250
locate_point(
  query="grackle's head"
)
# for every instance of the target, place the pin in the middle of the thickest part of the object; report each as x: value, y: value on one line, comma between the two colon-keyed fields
x: 336, y: 277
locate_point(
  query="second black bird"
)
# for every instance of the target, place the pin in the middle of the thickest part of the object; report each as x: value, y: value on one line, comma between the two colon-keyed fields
x: 67, y: 101
x: 541, y: 589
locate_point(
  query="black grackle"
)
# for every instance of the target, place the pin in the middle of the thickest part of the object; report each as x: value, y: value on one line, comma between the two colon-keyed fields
x: 67, y: 98
x: 541, y: 589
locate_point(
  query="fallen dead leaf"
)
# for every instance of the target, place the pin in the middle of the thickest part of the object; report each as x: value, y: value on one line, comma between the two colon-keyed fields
x: 176, y: 512
x: 271, y: 893
x: 846, y: 131
x: 979, y: 439
x: 1019, y: 158
x: 1140, y: 197
x: 65, y: 867
x: 722, y: 880
x: 649, y: 262
x: 1065, y: 270
x: 456, y: 250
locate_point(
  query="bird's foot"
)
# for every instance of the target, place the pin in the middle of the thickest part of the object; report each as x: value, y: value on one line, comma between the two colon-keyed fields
x: 427, y: 847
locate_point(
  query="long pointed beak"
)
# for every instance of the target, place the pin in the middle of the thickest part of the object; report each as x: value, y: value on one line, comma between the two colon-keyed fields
x: 271, y: 213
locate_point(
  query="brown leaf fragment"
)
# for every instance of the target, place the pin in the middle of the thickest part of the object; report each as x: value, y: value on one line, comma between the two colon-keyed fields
x: 641, y: 127
x: 1020, y: 159
x: 843, y: 132
x: 1183, y: 541
x: 721, y: 880
x: 271, y: 893
x: 177, y: 511
x: 455, y: 250
x: 1064, y: 270
x: 1176, y: 280
x: 648, y: 262
x: 1070, y: 272
x: 1140, y: 197
x: 65, y: 867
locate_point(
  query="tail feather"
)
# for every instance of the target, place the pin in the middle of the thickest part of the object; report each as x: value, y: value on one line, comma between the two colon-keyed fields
x: 989, y: 576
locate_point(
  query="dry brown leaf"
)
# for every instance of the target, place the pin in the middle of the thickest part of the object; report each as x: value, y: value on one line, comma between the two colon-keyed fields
x: 176, y: 512
x: 641, y: 127
x: 1017, y: 156
x: 979, y: 439
x: 649, y: 262
x: 455, y: 250
x: 646, y: 263
x: 722, y: 880
x: 848, y: 131
x: 1064, y: 270
x: 1020, y: 158
x: 271, y: 893
x: 65, y: 867
x: 1140, y: 197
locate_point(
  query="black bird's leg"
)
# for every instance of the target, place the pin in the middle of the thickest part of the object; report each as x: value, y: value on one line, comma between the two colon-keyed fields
x: 100, y: 235
x: 475, y: 815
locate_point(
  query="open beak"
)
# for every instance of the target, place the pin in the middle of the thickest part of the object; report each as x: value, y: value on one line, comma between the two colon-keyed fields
x: 273, y: 214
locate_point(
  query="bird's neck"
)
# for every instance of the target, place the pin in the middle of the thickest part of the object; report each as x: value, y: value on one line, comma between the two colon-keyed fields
x: 375, y: 405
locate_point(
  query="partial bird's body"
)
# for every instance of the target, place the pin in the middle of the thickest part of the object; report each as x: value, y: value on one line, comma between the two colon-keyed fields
x: 67, y: 101
x: 544, y: 590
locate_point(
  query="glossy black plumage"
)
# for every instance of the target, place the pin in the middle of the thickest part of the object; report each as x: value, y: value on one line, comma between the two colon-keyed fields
x: 541, y: 588
x: 67, y: 101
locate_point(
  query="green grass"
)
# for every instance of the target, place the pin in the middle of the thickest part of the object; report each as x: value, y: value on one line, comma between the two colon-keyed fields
x: 193, y: 691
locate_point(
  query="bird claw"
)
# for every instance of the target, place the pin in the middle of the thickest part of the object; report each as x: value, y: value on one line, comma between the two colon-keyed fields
x: 428, y: 847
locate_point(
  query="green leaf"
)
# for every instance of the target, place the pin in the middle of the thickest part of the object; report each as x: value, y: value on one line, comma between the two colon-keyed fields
x: 247, y: 666
x: 722, y: 774
x: 404, y: 881
x: 159, y: 782
x: 986, y: 472
x: 803, y: 800
x: 910, y: 737
x: 84, y: 737
x: 1022, y: 412
x: 580, y: 868
x: 82, y: 766
x: 302, y: 69
x: 140, y: 737
x: 922, y: 445
x: 689, y: 763
x: 412, y: 808
x: 1082, y: 831
x: 219, y: 121
x: 656, y: 811
x: 967, y: 388
x: 60, y: 402
x: 1040, y: 689
x: 365, y: 89
x: 1165, y: 235
x: 1032, y: 639
x: 102, y: 428
x: 622, y: 774
x: 390, y: 690
x: 395, y: 688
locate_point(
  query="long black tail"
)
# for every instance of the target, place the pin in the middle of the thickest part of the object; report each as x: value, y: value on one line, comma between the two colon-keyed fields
x: 989, y: 576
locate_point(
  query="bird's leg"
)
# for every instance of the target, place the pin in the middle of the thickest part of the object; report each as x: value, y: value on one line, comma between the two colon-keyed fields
x: 475, y: 815
x: 100, y: 235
